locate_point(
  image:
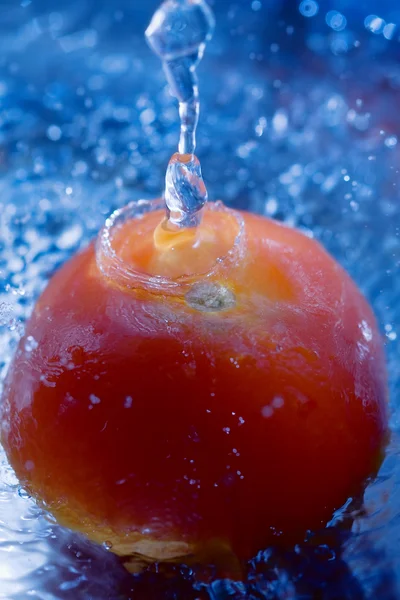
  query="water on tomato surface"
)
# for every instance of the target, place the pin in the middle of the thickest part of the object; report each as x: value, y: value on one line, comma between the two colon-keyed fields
x: 299, y: 122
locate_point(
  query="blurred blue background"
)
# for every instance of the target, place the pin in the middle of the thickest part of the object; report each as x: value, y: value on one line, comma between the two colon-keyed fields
x: 300, y: 121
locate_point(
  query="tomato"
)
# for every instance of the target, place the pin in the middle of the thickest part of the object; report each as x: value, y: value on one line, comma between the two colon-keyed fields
x: 194, y: 414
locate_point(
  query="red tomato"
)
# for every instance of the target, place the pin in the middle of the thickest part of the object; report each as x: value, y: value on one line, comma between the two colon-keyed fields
x: 228, y: 412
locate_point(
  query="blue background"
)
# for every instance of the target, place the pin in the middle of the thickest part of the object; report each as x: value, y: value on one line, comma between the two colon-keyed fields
x: 300, y: 121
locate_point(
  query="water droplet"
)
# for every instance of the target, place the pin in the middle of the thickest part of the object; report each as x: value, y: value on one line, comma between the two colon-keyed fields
x: 365, y: 330
x: 278, y: 402
x: 267, y: 411
x: 23, y: 493
x: 107, y: 545
x: 30, y: 344
x: 94, y: 399
x: 128, y: 402
x: 180, y: 28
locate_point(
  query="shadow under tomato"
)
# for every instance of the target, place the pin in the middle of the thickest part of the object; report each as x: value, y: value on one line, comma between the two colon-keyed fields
x: 313, y: 570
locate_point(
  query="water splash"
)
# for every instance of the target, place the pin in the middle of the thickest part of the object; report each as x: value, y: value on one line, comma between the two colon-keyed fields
x: 178, y: 33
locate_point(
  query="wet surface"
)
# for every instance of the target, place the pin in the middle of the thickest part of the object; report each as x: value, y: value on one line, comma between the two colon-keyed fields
x: 299, y: 121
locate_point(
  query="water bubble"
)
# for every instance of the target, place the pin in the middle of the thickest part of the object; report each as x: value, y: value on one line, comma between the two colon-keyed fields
x: 374, y: 24
x: 308, y: 8
x: 54, y: 133
x: 72, y: 585
x: 70, y: 237
x: 325, y: 552
x: 245, y: 150
x: 271, y: 206
x: 391, y: 141
x: 147, y: 116
x: 389, y: 30
x: 280, y: 121
x: 6, y: 312
x: 336, y: 20
x: 339, y: 44
x: 354, y: 205
x: 261, y: 126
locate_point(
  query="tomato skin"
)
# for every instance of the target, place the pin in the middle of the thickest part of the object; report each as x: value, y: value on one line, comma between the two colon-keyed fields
x: 140, y: 420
